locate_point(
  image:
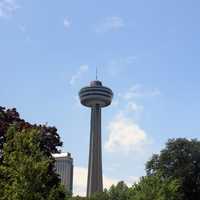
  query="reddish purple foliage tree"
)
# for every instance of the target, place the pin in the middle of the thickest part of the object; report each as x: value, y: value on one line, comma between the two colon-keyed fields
x: 50, y: 137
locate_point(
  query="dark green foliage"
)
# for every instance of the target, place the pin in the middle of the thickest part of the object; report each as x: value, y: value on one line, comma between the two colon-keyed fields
x: 148, y: 188
x: 154, y: 187
x: 27, y: 167
x: 27, y: 172
x: 78, y: 198
x: 118, y: 192
x: 50, y: 139
x: 179, y: 160
x: 101, y: 196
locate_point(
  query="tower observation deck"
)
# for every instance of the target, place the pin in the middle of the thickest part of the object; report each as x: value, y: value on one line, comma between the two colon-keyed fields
x: 95, y: 96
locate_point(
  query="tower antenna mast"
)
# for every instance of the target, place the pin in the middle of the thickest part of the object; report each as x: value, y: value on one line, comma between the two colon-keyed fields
x: 96, y: 73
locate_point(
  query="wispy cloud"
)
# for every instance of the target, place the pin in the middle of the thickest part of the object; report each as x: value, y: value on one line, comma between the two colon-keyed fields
x: 80, y: 181
x: 134, y: 107
x: 139, y: 91
x: 129, y: 101
x: 67, y: 23
x: 125, y: 136
x: 7, y: 8
x: 82, y: 69
x: 110, y: 24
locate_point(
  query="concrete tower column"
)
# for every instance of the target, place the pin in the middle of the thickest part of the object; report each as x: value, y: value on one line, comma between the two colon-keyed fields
x: 95, y: 183
x: 95, y: 96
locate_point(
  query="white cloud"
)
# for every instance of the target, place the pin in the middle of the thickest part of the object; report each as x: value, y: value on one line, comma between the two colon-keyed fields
x: 7, y: 8
x: 134, y: 107
x: 110, y: 24
x: 67, y: 23
x: 80, y: 181
x: 82, y: 69
x: 124, y: 132
x: 125, y: 136
x: 132, y: 92
x: 77, y: 101
x: 127, y: 104
x: 108, y: 182
x: 138, y: 91
x: 131, y: 180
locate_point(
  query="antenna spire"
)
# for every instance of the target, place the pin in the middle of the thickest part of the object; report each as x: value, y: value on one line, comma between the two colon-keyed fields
x: 96, y: 73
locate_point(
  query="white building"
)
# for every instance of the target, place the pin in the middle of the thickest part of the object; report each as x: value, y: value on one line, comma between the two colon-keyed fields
x: 64, y: 167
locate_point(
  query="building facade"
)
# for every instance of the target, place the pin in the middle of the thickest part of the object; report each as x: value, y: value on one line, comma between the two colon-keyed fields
x: 64, y: 167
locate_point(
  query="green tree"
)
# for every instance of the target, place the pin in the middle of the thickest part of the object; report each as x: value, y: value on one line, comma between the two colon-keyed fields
x: 27, y: 172
x: 50, y: 139
x: 180, y: 159
x: 101, y: 196
x: 79, y: 198
x: 118, y: 192
x: 155, y: 188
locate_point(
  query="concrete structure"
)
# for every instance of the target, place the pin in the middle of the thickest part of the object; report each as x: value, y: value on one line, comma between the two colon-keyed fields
x: 95, y: 97
x: 64, y: 167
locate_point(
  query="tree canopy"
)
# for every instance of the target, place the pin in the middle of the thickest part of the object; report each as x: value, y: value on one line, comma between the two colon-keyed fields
x: 180, y: 159
x: 156, y: 188
x: 27, y: 172
x: 27, y: 167
x: 50, y: 139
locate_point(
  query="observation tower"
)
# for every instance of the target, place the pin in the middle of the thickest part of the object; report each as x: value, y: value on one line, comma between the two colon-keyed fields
x: 95, y: 96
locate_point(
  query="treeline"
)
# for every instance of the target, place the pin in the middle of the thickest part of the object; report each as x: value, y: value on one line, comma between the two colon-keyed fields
x: 27, y: 167
x: 26, y: 164
x: 174, y: 174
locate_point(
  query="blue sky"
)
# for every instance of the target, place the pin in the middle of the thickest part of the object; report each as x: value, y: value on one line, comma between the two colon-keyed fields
x: 146, y: 51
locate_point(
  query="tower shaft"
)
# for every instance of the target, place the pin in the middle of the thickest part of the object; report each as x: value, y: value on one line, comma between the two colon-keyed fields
x: 95, y: 96
x: 95, y: 183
